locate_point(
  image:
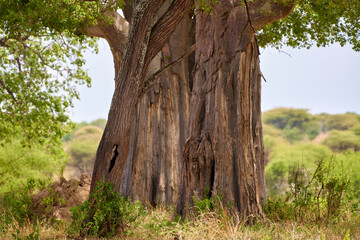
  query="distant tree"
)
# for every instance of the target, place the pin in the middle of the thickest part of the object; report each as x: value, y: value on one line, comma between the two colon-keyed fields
x: 101, y: 123
x: 339, y: 141
x: 295, y: 123
x: 342, y: 121
x: 82, y: 148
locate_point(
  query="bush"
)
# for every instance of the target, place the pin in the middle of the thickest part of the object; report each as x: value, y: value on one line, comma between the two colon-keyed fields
x: 82, y: 148
x: 342, y: 121
x: 339, y: 141
x: 296, y: 123
x: 285, y: 157
x: 311, y: 198
x: 351, y: 162
x: 356, y: 130
x: 105, y: 214
x: 20, y: 164
x: 18, y: 204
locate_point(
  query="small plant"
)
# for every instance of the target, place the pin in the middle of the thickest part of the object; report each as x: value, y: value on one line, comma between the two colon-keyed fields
x: 205, y: 204
x: 311, y: 197
x: 35, y: 235
x: 105, y: 214
x: 18, y: 204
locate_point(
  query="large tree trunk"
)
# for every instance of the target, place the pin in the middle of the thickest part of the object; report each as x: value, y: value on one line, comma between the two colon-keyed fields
x: 224, y: 153
x: 141, y: 149
x: 162, y: 146
x: 158, y: 130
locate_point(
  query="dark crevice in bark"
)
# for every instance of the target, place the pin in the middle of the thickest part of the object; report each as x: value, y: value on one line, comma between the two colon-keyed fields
x: 113, y: 158
x: 212, y: 177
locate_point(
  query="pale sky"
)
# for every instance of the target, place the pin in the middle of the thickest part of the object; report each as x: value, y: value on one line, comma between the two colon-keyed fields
x: 319, y: 79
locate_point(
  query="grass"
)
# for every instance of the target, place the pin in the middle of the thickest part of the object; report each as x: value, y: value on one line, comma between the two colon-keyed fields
x: 158, y: 223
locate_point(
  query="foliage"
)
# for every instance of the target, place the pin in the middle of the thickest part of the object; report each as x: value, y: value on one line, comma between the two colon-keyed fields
x: 38, y: 76
x: 41, y: 49
x: 101, y: 123
x: 205, y: 5
x: 342, y: 121
x: 206, y: 203
x: 19, y: 164
x: 319, y: 23
x: 317, y: 197
x: 351, y: 161
x: 105, y: 214
x: 356, y: 130
x: 342, y: 140
x: 295, y: 123
x: 18, y: 204
x: 82, y: 148
x: 285, y: 157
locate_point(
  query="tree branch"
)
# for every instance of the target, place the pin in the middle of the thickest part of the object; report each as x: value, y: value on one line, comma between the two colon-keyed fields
x: 263, y: 12
x: 164, y: 28
x: 152, y: 80
x: 8, y: 91
x: 3, y: 42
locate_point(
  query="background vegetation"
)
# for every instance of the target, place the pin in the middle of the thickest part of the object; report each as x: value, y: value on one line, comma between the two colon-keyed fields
x: 312, y: 174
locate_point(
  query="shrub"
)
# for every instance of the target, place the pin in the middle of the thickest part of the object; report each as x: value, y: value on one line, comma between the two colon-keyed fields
x: 285, y: 157
x: 20, y: 164
x: 342, y: 121
x: 342, y: 140
x: 310, y: 198
x: 105, y: 214
x: 296, y: 123
x: 18, y: 204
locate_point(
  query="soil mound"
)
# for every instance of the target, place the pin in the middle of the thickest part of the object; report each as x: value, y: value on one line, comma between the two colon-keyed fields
x: 56, y: 200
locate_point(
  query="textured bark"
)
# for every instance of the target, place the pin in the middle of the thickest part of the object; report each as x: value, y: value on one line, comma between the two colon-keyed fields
x: 185, y: 135
x: 141, y: 149
x: 152, y: 171
x: 114, y: 145
x: 224, y: 153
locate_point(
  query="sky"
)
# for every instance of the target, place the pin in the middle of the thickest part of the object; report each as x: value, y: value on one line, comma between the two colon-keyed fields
x: 319, y: 79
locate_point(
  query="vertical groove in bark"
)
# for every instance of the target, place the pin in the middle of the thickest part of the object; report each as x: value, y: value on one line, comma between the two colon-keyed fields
x: 157, y: 137
x: 117, y: 130
x: 224, y: 151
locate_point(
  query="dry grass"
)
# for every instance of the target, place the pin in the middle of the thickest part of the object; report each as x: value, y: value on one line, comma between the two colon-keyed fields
x: 211, y: 225
x: 158, y: 223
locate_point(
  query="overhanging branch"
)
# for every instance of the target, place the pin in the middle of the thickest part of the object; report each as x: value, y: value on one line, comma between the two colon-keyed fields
x: 264, y: 12
x: 164, y: 28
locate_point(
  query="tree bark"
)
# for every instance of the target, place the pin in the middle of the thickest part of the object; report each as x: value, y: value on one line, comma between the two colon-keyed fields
x: 141, y: 149
x: 224, y: 154
x: 185, y: 136
x: 158, y: 133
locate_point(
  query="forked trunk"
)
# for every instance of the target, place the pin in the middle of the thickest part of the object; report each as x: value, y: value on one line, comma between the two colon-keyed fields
x: 165, y: 147
x: 224, y: 154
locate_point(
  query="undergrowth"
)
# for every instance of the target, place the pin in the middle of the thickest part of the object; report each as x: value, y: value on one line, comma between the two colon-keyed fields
x: 316, y: 206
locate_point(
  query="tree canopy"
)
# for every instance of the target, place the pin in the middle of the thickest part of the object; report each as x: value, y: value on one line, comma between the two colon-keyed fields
x: 42, y: 62
x: 316, y: 22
